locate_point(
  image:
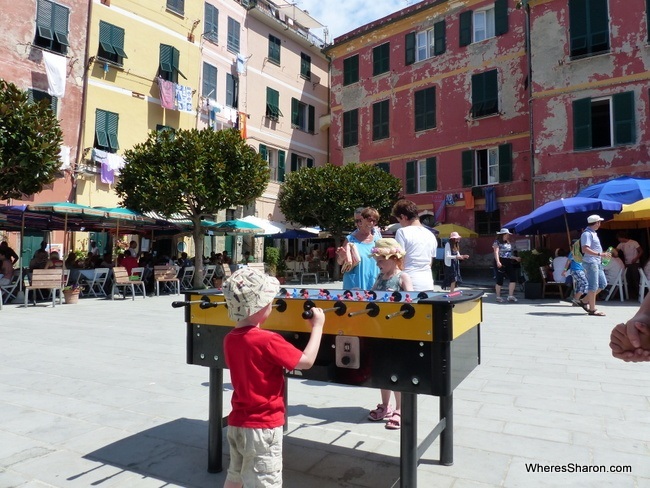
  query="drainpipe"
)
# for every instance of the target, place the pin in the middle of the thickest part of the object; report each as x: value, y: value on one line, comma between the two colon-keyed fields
x: 84, y: 101
x: 526, y: 8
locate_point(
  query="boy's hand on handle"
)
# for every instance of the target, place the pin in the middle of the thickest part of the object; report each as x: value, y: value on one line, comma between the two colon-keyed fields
x: 318, y: 317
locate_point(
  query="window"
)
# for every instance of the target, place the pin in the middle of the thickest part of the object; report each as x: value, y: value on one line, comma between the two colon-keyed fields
x: 36, y: 96
x: 421, y: 176
x: 232, y: 91
x: 487, y: 166
x: 111, y: 43
x: 425, y: 109
x: 298, y: 162
x: 305, y: 66
x: 588, y: 27
x: 52, y: 26
x: 163, y: 129
x: 604, y: 122
x: 351, y: 128
x: 275, y: 158
x: 425, y: 44
x: 169, y: 59
x: 485, y: 95
x: 274, y: 49
x: 351, y: 70
x: 273, y: 104
x: 385, y: 167
x: 106, y: 131
x: 177, y: 6
x: 302, y: 116
x: 476, y: 26
x: 209, y: 88
x: 211, y: 23
x: 380, y: 120
x: 381, y: 59
x: 487, y: 223
x: 233, y: 35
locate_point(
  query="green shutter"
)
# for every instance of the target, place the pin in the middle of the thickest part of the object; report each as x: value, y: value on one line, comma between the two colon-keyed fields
x: 112, y: 121
x: 467, y: 168
x: 478, y: 94
x: 582, y: 124
x: 105, y: 37
x: 211, y: 23
x: 409, y: 48
x: 383, y: 166
x: 500, y: 17
x: 263, y: 152
x: 440, y: 43
x: 100, y: 128
x: 598, y: 26
x: 505, y: 163
x: 166, y: 58
x: 431, y: 175
x: 44, y: 20
x: 465, y: 28
x: 311, y: 119
x: 578, y: 26
x: 60, y: 23
x: 117, y: 40
x: 410, y: 177
x: 294, y: 162
x: 419, y: 110
x: 310, y: 163
x: 624, y: 124
x: 281, y: 156
x: 491, y: 92
x: 351, y: 70
x: 295, y: 108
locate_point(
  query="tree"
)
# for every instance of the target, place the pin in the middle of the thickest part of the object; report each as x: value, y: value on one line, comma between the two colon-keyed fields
x: 193, y: 174
x: 326, y: 196
x: 30, y: 141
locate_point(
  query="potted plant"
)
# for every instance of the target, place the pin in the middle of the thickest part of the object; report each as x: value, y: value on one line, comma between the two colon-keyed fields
x: 71, y: 293
x: 272, y: 259
x: 531, y: 261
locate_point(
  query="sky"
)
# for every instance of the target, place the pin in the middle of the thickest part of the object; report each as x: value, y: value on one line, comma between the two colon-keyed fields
x: 341, y: 16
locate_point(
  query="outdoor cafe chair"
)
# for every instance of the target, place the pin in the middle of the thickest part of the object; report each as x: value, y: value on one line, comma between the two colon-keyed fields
x: 97, y: 282
x: 644, y: 284
x: 10, y: 292
x: 208, y: 274
x: 187, y: 277
x: 619, y: 283
x: 121, y: 279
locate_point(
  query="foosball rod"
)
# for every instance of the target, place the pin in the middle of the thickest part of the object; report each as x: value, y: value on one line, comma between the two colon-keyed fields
x: 339, y: 307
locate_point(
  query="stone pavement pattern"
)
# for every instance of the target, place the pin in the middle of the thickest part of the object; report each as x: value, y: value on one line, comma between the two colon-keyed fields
x: 99, y: 394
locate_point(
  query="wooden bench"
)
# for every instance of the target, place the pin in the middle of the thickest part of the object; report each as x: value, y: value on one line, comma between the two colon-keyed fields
x: 167, y: 276
x: 122, y: 279
x: 46, y: 279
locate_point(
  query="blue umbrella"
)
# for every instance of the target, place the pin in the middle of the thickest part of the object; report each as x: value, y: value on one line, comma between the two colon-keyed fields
x: 624, y: 189
x: 293, y: 234
x: 564, y: 215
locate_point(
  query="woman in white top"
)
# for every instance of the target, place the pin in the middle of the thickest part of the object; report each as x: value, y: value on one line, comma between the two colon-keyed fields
x: 559, y: 263
x: 419, y: 243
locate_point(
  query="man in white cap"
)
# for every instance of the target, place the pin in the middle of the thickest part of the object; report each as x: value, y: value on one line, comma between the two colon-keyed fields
x: 592, y: 252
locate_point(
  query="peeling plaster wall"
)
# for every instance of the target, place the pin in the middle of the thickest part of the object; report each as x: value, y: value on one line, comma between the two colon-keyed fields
x: 22, y: 64
x: 558, y: 81
x: 455, y: 131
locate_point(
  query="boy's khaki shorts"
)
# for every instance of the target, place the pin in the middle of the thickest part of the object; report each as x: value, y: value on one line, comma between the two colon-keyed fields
x: 255, y: 457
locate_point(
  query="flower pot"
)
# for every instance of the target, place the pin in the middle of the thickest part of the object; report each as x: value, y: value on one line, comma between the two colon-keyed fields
x: 533, y: 291
x: 71, y: 296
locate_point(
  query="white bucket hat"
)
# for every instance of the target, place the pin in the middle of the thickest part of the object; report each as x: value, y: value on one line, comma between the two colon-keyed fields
x: 248, y: 291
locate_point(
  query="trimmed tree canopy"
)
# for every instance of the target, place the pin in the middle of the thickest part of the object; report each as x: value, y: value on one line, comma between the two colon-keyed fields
x: 30, y: 141
x: 193, y: 174
x: 326, y: 196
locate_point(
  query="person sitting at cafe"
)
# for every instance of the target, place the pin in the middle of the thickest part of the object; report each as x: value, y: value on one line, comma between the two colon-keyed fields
x: 106, y: 261
x: 9, y: 252
x: 247, y: 258
x: 129, y: 262
x: 71, y: 261
x: 6, y: 268
x: 39, y: 261
x: 54, y: 261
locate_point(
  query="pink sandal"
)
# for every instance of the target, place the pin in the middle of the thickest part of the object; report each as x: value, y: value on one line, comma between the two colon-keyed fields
x: 395, y: 422
x: 380, y: 413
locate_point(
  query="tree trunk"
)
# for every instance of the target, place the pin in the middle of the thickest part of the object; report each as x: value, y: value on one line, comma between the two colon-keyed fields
x: 199, y: 237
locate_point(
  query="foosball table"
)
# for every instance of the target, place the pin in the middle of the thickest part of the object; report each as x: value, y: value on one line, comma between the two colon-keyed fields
x: 417, y: 343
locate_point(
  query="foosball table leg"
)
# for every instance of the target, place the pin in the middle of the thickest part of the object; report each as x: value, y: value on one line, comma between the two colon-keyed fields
x: 215, y: 421
x: 447, y: 435
x: 408, y: 465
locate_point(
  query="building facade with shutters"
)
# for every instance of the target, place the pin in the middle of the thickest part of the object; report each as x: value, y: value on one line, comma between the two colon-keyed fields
x: 495, y: 107
x: 436, y: 95
x: 32, y: 32
x: 590, y: 93
x: 133, y: 46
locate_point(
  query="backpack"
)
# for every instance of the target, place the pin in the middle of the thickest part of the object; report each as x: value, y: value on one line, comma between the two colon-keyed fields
x: 576, y: 250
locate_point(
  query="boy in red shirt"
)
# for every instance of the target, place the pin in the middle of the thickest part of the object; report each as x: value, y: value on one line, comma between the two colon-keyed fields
x: 257, y: 359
